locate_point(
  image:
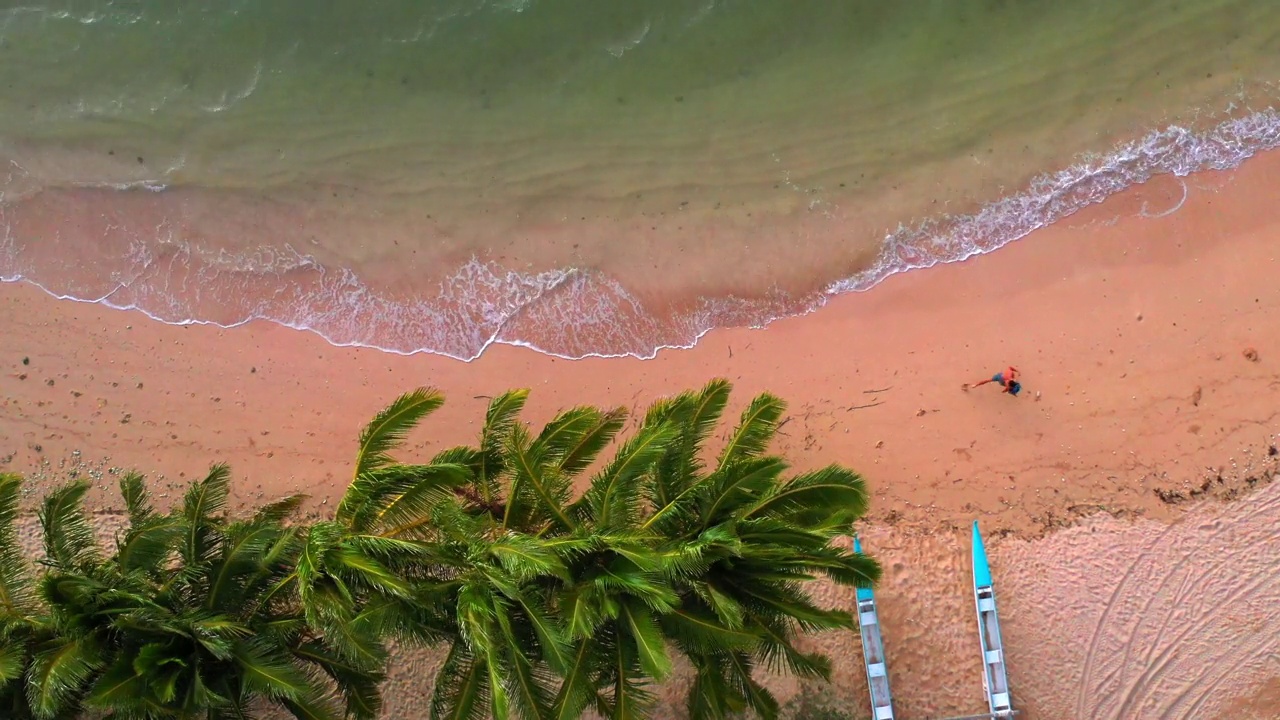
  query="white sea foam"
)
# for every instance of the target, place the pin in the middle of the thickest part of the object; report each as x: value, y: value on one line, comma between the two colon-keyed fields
x: 576, y: 312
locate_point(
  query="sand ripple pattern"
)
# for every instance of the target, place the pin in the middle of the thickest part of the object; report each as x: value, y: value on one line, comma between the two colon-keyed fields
x: 1116, y: 620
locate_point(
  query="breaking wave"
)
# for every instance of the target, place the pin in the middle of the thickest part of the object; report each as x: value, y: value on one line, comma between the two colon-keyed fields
x: 573, y: 312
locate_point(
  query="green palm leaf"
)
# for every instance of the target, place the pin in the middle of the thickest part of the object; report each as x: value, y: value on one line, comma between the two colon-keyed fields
x: 411, y: 498
x: 829, y: 498
x: 137, y: 502
x: 576, y: 437
x: 460, y: 692
x: 613, y: 497
x: 13, y: 659
x: 309, y: 709
x: 529, y: 685
x: 710, y: 698
x: 697, y: 630
x: 279, y: 510
x: 739, y: 483
x: 271, y: 673
x: 697, y: 415
x: 358, y: 687
x: 757, y: 697
x: 119, y: 686
x: 755, y: 430
x: 525, y: 557
x: 389, y: 428
x: 530, y: 476
x: 644, y: 632
x: 69, y: 540
x: 630, y: 699
x: 148, y: 545
x: 15, y: 579
x: 499, y: 420
x: 202, y: 508
x: 577, y: 688
x: 60, y: 670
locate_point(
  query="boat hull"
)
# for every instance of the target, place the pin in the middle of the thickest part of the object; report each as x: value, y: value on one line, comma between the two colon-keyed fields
x: 873, y: 652
x: 995, y: 678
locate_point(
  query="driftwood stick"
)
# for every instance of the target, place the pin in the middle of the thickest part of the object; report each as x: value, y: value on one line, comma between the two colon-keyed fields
x: 859, y: 407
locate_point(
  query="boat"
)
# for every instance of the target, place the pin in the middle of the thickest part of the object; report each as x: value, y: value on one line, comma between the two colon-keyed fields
x: 873, y: 651
x: 995, y: 678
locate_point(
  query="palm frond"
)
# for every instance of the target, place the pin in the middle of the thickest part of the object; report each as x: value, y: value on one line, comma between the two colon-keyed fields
x: 416, y: 491
x: 137, y: 502
x: 711, y: 698
x: 16, y: 583
x: 467, y: 457
x: 279, y: 510
x: 118, y: 687
x: 359, y: 687
x: 575, y: 437
x: 739, y: 483
x: 612, y: 497
x: 630, y: 698
x: 755, y: 430
x: 271, y: 673
x: 309, y: 709
x: 577, y: 689
x: 60, y: 671
x: 829, y: 499
x: 69, y: 540
x: 526, y: 557
x: 530, y: 685
x: 781, y: 655
x: 202, y: 509
x: 531, y: 484
x: 757, y: 696
x: 697, y: 415
x: 388, y: 429
x: 697, y: 630
x: 643, y: 631
x: 148, y: 545
x: 499, y: 419
x: 13, y: 659
x: 241, y: 558
x: 460, y: 692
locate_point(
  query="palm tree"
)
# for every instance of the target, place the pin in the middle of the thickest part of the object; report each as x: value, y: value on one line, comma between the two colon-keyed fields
x: 440, y: 552
x: 760, y: 537
x: 23, y: 623
x: 191, y: 615
x: 658, y: 551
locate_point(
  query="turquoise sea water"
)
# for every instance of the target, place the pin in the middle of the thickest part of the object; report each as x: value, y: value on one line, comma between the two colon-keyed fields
x: 583, y: 177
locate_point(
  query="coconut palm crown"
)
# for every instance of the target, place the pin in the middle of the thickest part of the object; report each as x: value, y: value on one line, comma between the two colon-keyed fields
x: 568, y: 580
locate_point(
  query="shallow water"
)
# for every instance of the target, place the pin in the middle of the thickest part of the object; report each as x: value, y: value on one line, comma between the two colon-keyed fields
x: 582, y: 178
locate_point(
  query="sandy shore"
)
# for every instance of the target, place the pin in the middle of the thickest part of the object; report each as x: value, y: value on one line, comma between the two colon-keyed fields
x: 1149, y: 354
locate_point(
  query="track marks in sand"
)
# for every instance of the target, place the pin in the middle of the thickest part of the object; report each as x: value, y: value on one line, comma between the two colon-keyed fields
x: 1141, y: 620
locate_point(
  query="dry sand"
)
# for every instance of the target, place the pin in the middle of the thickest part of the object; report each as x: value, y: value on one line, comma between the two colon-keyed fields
x: 1149, y: 354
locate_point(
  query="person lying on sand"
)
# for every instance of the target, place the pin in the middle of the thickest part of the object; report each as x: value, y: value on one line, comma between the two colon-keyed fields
x: 1007, y: 379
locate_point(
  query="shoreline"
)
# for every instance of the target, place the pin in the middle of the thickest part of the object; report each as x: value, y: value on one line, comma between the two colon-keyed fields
x: 1132, y: 330
x: 1158, y: 323
x: 613, y: 284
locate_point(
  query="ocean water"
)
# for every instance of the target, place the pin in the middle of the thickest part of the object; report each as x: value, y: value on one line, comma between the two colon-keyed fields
x: 580, y: 177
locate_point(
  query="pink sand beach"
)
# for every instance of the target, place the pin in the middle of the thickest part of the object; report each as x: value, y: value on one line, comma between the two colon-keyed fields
x: 1127, y: 493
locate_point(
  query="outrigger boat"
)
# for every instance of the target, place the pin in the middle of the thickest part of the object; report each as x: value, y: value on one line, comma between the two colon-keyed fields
x: 873, y: 651
x: 995, y: 678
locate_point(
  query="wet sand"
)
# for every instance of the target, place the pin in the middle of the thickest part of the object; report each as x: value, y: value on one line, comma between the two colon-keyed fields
x: 1148, y: 349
